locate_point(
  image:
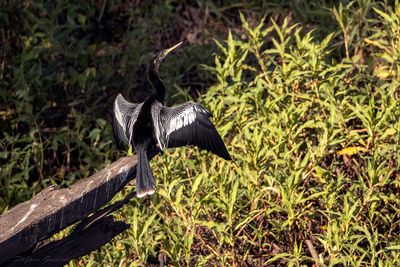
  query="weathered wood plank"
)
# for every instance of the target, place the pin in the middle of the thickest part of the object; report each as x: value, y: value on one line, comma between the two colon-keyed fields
x: 54, y: 209
x: 90, y: 234
x: 75, y: 245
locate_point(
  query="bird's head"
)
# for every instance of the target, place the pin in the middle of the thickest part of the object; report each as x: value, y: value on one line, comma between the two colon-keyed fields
x: 158, y: 58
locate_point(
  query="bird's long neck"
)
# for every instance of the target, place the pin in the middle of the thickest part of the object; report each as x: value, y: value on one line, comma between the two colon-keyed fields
x: 156, y: 81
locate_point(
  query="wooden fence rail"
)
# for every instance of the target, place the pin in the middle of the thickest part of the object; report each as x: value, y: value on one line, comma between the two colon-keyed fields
x: 26, y: 228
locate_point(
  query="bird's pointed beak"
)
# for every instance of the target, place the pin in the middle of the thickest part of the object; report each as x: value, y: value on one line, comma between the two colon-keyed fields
x: 160, y: 56
x: 169, y: 50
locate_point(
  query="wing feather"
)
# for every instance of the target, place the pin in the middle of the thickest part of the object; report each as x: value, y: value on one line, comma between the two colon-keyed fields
x: 125, y: 116
x: 189, y: 124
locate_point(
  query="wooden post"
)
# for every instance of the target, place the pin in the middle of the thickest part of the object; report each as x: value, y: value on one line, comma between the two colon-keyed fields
x: 24, y: 228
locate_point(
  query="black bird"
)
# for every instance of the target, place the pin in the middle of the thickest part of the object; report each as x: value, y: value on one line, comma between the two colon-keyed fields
x: 148, y: 124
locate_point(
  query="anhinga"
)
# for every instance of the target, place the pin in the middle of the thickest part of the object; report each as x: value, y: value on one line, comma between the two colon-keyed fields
x: 148, y: 124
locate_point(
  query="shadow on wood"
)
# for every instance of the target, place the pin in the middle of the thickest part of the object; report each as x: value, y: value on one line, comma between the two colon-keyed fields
x: 24, y: 228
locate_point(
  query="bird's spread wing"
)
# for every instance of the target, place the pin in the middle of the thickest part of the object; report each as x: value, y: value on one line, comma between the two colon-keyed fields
x: 125, y: 116
x: 187, y: 124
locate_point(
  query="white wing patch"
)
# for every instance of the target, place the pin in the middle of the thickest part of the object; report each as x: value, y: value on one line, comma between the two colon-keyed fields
x: 167, y: 120
x: 157, y: 124
x: 158, y: 133
x: 184, y: 118
x: 126, y: 114
x: 118, y: 115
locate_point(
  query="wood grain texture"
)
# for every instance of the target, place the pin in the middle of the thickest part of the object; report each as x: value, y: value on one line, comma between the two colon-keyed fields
x: 52, y: 210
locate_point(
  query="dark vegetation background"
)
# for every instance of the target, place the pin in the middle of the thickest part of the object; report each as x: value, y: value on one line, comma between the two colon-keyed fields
x: 305, y: 94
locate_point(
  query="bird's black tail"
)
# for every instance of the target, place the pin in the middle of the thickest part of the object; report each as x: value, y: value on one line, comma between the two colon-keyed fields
x: 145, y: 182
